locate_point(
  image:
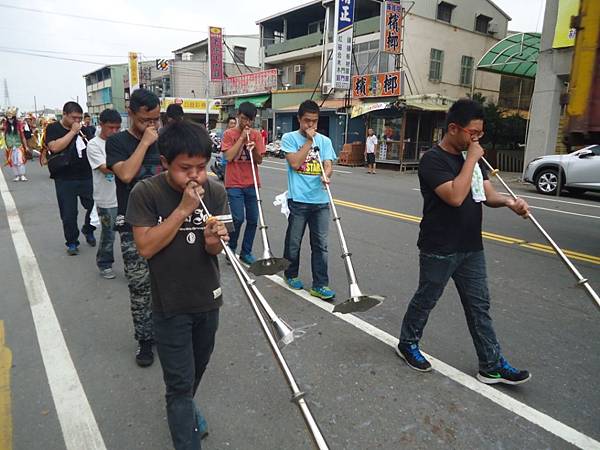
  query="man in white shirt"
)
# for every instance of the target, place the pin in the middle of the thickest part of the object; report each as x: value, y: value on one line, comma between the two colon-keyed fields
x: 105, y: 195
x: 370, y: 146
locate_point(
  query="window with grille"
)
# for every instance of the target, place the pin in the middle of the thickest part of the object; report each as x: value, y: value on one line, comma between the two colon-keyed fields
x: 482, y: 23
x: 368, y: 59
x: 239, y: 54
x: 316, y: 27
x: 444, y: 12
x: 466, y: 70
x: 436, y: 61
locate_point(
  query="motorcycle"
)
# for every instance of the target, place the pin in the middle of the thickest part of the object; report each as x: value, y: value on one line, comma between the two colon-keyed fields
x: 218, y: 166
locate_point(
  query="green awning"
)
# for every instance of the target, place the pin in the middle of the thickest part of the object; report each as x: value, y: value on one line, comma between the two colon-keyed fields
x: 257, y: 100
x: 514, y: 55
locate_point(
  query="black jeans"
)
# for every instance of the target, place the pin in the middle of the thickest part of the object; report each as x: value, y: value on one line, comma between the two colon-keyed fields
x: 469, y: 274
x: 67, y: 192
x: 184, y: 343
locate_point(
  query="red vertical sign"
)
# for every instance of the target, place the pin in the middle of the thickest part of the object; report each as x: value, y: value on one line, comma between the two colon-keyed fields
x: 215, y: 53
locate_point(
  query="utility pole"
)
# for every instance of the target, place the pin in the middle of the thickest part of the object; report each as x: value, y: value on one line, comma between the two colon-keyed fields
x: 206, y: 120
x: 35, y: 105
x: 6, y: 95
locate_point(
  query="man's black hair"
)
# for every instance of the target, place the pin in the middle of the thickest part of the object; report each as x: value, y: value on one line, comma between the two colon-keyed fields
x: 248, y: 109
x: 463, y: 111
x: 72, y: 107
x: 175, y: 111
x: 143, y: 98
x: 110, y: 116
x: 231, y: 118
x: 86, y: 115
x: 184, y: 138
x: 308, y: 106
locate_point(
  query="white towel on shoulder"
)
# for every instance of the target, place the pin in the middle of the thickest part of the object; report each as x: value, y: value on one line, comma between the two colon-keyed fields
x: 477, y: 189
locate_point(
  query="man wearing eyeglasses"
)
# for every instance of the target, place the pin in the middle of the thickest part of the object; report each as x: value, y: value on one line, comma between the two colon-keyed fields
x: 454, y: 184
x: 133, y: 156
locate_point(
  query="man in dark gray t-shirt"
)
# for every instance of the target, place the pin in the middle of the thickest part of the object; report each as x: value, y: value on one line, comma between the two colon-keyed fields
x: 180, y: 242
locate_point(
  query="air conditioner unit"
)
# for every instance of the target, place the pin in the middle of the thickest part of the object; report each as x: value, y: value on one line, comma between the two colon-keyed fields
x: 326, y: 88
x: 299, y: 68
x: 492, y: 28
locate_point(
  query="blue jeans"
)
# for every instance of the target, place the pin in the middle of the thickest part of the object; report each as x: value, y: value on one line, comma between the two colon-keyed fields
x: 184, y: 343
x: 316, y: 216
x: 241, y: 199
x: 105, y: 256
x: 469, y: 275
x: 67, y: 192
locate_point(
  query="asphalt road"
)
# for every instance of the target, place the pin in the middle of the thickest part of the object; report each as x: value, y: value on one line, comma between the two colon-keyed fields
x: 361, y: 394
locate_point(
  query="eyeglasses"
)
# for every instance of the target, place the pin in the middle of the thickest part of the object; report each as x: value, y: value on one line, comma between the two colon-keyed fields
x: 473, y: 133
x: 149, y: 121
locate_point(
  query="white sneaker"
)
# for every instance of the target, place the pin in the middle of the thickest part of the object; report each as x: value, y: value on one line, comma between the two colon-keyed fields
x: 17, y: 178
x: 24, y: 178
x: 107, y: 273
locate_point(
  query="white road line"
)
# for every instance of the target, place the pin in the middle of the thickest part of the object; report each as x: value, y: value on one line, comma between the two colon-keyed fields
x: 272, y: 168
x: 551, y: 199
x: 281, y: 162
x: 564, y: 212
x: 550, y: 209
x: 534, y: 416
x: 77, y: 421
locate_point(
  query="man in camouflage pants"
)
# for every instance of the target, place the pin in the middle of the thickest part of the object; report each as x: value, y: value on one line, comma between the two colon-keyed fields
x: 133, y: 155
x: 138, y: 281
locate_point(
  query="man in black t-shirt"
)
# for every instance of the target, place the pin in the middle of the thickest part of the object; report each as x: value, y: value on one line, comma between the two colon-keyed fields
x: 133, y: 156
x: 181, y: 242
x: 454, y: 185
x: 88, y: 129
x: 72, y: 180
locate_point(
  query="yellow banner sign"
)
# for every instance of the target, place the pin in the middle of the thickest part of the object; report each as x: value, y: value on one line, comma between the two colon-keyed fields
x: 564, y: 35
x: 191, y: 105
x: 134, y: 77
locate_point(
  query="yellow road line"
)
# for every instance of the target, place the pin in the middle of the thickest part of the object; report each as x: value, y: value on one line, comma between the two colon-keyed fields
x: 5, y: 414
x: 486, y: 234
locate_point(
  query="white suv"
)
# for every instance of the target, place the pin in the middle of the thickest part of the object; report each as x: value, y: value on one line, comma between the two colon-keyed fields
x: 579, y: 171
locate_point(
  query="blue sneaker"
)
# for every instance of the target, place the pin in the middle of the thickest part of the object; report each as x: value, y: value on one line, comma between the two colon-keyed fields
x: 248, y: 258
x: 413, y: 357
x: 201, y: 422
x: 295, y: 283
x: 506, y: 374
x: 90, y: 239
x: 323, y: 292
x: 73, y: 249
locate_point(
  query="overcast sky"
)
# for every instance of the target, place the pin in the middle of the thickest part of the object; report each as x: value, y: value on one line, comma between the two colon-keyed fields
x: 54, y: 81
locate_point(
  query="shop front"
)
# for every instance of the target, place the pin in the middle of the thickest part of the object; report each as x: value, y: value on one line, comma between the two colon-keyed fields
x: 405, y: 128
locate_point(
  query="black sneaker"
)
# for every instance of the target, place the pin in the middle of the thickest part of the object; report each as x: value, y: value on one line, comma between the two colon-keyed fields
x: 90, y: 239
x: 505, y: 374
x: 413, y: 357
x: 144, y: 356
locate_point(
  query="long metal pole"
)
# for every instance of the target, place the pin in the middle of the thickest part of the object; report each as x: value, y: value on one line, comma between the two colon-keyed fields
x: 336, y: 219
x: 297, y: 394
x: 580, y: 280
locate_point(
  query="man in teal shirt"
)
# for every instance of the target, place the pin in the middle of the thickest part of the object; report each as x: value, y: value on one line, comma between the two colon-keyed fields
x: 308, y: 201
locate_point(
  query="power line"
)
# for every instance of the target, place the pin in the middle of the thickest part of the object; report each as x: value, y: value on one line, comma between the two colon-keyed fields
x: 98, y: 19
x: 51, y: 57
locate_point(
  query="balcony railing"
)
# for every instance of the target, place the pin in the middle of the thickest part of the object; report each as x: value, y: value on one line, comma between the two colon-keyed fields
x: 362, y: 27
x: 307, y: 41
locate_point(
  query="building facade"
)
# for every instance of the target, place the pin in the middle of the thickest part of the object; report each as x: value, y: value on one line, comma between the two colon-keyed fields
x: 442, y: 44
x: 105, y: 88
